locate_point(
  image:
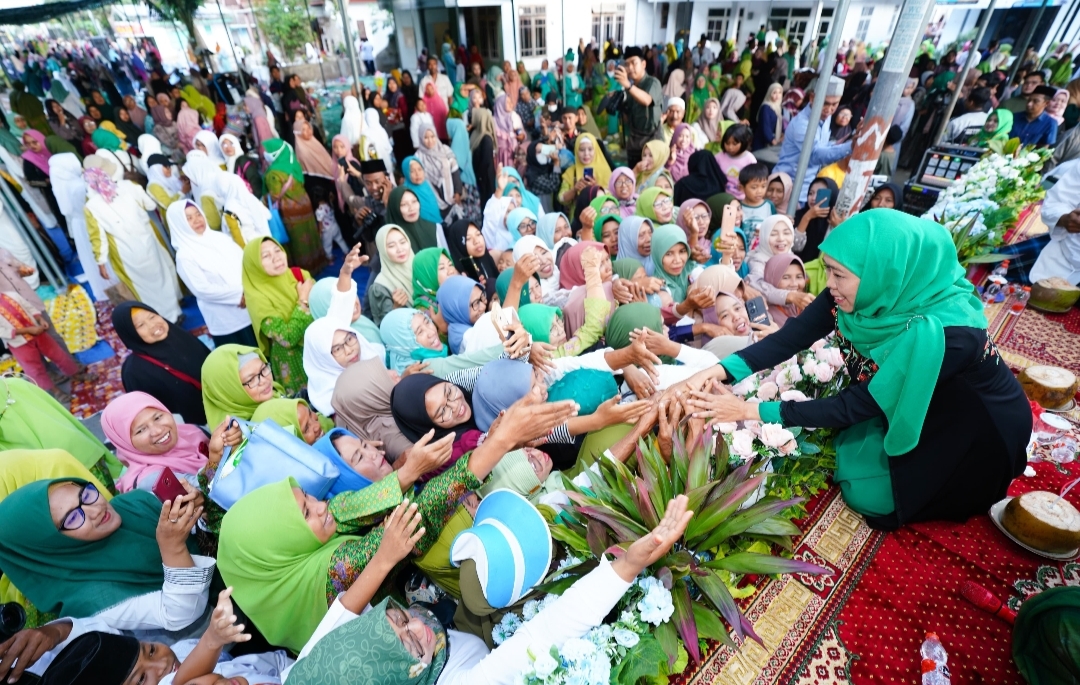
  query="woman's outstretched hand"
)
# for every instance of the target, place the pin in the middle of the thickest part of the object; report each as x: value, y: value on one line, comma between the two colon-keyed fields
x: 647, y: 550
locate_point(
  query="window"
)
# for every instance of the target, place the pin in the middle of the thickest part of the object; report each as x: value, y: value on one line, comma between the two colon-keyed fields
x: 533, y: 23
x: 607, y: 24
x: 665, y: 7
x: 864, y: 23
x: 826, y: 22
x: 718, y: 21
x: 793, y: 22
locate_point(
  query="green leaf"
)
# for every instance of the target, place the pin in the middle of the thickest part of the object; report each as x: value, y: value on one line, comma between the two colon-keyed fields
x: 597, y: 536
x: 669, y: 641
x: 992, y: 258
x: 709, y: 625
x: 622, y: 525
x: 642, y: 661
x: 684, y: 620
x: 744, y: 519
x: 749, y: 562
x: 717, y: 511
x: 774, y: 526
x: 570, y: 538
x: 697, y: 472
x: 714, y: 589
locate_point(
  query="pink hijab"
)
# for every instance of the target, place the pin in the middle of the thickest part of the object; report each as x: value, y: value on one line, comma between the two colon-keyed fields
x: 116, y: 421
x: 38, y: 159
x: 438, y: 110
x: 628, y: 206
x: 187, y: 125
x: 774, y: 271
x: 679, y: 160
x: 705, y: 239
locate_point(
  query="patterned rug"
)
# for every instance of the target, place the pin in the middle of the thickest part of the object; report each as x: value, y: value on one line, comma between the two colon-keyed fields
x: 795, y: 615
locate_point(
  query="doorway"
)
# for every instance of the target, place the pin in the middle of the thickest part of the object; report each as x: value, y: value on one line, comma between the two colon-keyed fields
x: 483, y: 27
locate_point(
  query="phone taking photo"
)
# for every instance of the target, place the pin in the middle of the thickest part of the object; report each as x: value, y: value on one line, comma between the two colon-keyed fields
x: 588, y: 172
x: 727, y: 221
x: 168, y: 487
x: 822, y: 198
x: 758, y: 311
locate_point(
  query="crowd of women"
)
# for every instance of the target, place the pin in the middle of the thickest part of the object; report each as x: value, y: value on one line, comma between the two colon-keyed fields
x: 500, y: 344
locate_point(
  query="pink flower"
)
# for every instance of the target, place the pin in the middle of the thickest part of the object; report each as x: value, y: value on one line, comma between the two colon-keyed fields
x: 752, y: 426
x: 742, y: 443
x: 817, y: 347
x: 774, y: 435
x: 727, y: 428
x: 789, y: 447
x: 832, y: 357
x: 767, y: 391
x: 745, y: 386
x: 824, y: 372
x: 793, y: 395
x: 809, y: 366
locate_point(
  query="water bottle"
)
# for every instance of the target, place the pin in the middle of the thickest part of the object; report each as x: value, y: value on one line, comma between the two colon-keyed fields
x: 935, y: 669
x: 1020, y: 300
x: 990, y: 292
x: 1001, y: 269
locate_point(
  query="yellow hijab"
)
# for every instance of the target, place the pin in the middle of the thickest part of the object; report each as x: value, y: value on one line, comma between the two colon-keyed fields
x: 600, y: 169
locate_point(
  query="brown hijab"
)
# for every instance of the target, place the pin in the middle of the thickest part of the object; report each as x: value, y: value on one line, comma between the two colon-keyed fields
x: 314, y: 158
x: 361, y: 404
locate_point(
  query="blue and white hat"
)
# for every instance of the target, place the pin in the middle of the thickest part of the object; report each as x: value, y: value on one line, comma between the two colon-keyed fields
x: 510, y: 545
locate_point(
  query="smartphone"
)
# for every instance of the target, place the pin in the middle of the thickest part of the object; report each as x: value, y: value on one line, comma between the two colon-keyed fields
x: 727, y: 221
x: 758, y: 311
x: 588, y: 172
x: 821, y: 199
x: 343, y: 163
x: 168, y: 486
x: 505, y: 317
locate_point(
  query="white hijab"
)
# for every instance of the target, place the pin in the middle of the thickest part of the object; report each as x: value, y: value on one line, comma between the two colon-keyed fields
x: 148, y: 145
x: 352, y: 121
x: 526, y: 244
x: 236, y: 199
x: 213, y: 147
x: 376, y: 140
x: 230, y: 162
x: 155, y: 175
x: 213, y: 251
x: 319, y: 364
x: 202, y: 173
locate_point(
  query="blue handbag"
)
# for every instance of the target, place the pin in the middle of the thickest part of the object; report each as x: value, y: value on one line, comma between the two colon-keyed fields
x: 277, y: 225
x: 269, y: 454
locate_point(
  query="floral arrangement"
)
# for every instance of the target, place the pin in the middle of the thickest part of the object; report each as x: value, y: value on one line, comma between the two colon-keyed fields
x: 977, y: 219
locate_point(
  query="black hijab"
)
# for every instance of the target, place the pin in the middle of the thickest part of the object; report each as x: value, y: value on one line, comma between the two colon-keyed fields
x: 410, y: 91
x: 587, y: 195
x: 816, y: 229
x: 162, y: 369
x: 410, y: 413
x: 897, y: 192
x: 481, y: 269
x: 703, y: 180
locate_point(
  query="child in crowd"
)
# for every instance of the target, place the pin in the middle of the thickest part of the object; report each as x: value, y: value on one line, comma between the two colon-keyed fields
x: 754, y: 181
x: 735, y: 155
x: 330, y: 231
x: 25, y: 332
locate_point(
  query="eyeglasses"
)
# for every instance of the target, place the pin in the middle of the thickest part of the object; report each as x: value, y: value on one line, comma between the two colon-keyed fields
x: 350, y: 341
x: 75, y: 518
x: 479, y: 304
x: 702, y: 218
x: 663, y: 201
x: 527, y: 226
x: 264, y: 372
x: 444, y: 413
x: 624, y: 181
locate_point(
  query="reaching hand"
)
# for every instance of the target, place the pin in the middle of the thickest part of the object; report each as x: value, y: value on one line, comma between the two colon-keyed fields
x: 670, y: 411
x: 530, y: 418
x: 426, y: 456
x: 402, y: 529
x: 518, y: 342
x: 588, y: 215
x: 26, y: 647
x: 418, y: 367
x: 400, y: 298
x: 764, y: 330
x: 525, y: 267
x: 541, y: 355
x: 720, y: 405
x: 611, y: 412
x: 800, y: 300
x: 656, y: 343
x: 353, y: 260
x: 623, y: 290
x: 647, y: 550
x: 224, y: 629
x: 640, y: 383
x: 591, y: 258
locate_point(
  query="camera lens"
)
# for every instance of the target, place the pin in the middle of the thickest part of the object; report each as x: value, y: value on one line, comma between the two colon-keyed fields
x: 12, y: 619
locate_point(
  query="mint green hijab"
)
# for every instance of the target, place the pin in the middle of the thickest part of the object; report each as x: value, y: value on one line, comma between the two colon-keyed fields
x: 664, y: 238
x: 911, y: 288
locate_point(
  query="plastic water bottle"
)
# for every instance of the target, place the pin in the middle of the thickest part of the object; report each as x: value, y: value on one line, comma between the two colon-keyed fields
x: 990, y: 292
x: 1020, y: 300
x: 1001, y: 269
x: 935, y: 669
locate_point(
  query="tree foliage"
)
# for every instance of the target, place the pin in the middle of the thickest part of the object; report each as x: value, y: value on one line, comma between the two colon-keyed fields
x: 285, y: 24
x: 182, y: 11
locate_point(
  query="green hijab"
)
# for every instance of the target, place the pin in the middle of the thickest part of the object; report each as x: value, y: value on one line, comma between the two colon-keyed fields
x: 626, y: 267
x: 537, y: 320
x: 502, y: 287
x: 631, y: 317
x: 223, y: 394
x: 912, y: 287
x: 394, y: 276
x: 1004, y: 127
x: 664, y: 238
x: 105, y: 139
x: 72, y: 577
x: 319, y: 304
x: 598, y: 202
x: 31, y: 419
x: 460, y: 102
x: 267, y: 296
x: 283, y: 159
x: 598, y: 225
x: 1046, y: 637
x: 645, y: 202
x: 421, y: 233
x: 277, y: 566
x: 367, y: 651
x: 57, y: 145
x: 425, y: 275
x: 283, y: 411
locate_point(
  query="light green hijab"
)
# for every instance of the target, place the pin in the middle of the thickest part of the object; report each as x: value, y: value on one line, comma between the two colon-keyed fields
x: 267, y: 296
x: 537, y: 320
x: 645, y: 202
x: 319, y: 304
x: 392, y: 275
x: 911, y: 288
x: 664, y: 238
x: 276, y: 565
x: 425, y: 273
x: 283, y: 411
x: 223, y: 394
x: 400, y: 341
x: 283, y: 159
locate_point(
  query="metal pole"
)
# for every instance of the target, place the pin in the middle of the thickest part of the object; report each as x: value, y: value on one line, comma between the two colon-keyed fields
x: 243, y: 81
x: 825, y: 72
x: 870, y: 136
x: 961, y: 76
x: 44, y: 258
x: 562, y: 12
x: 349, y: 45
x: 1025, y: 40
x: 307, y: 9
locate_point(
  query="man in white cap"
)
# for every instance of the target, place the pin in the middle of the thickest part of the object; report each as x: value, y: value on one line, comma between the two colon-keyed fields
x: 824, y: 153
x: 674, y: 112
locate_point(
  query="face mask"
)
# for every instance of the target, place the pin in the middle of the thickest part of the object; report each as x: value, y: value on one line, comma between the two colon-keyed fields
x: 552, y: 108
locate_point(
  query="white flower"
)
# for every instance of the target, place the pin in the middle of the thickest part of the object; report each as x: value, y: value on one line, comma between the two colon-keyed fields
x: 544, y: 664
x: 742, y: 444
x: 625, y: 638
x: 774, y: 435
x: 789, y: 376
x: 600, y: 671
x: 745, y: 386
x: 530, y: 610
x: 577, y: 649
x: 600, y: 635
x: 832, y: 357
x: 793, y: 395
x: 789, y: 447
x: 767, y: 391
x: 725, y: 427
x: 824, y: 372
x: 656, y: 606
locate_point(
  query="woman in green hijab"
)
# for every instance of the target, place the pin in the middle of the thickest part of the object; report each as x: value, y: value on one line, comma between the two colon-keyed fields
x: 997, y: 127
x: 655, y: 205
x: 277, y: 301
x: 295, y: 414
x: 935, y: 426
x: 235, y: 381
x: 289, y: 556
x: 285, y: 183
x: 431, y: 266
x: 670, y: 253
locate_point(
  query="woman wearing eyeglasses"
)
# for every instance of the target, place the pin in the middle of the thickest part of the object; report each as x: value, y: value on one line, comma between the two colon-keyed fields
x: 128, y: 562
x: 235, y: 381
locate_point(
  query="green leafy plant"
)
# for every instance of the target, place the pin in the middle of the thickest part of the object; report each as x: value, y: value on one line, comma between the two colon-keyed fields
x: 724, y: 541
x: 182, y: 11
x: 285, y: 23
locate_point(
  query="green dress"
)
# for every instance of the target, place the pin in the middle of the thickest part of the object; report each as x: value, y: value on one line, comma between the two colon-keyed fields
x: 305, y: 244
x: 287, y: 348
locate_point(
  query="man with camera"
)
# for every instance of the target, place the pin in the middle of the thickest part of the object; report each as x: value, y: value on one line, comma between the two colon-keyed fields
x: 642, y: 104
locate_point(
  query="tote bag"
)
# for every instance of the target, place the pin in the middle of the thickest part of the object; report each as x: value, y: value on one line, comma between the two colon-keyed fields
x: 277, y: 225
x: 269, y: 454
